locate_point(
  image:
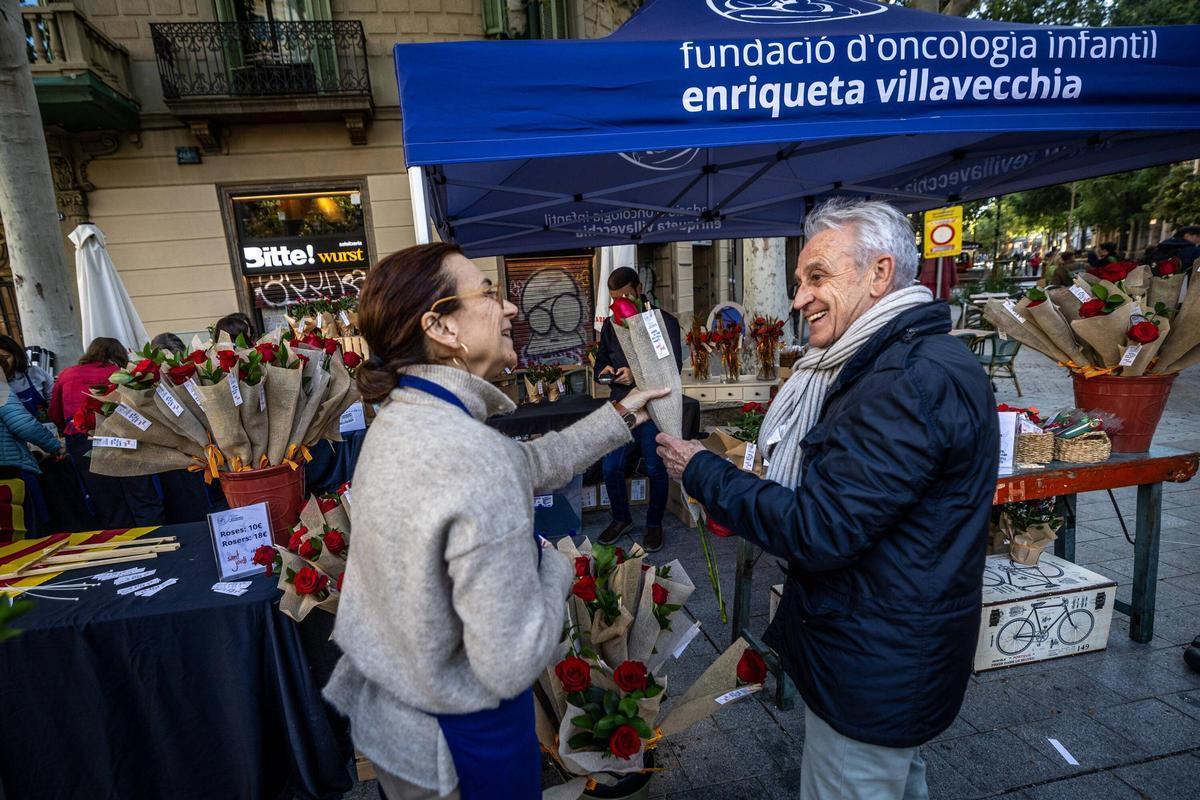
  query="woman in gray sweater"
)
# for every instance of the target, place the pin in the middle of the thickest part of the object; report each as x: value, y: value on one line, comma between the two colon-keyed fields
x: 450, y: 608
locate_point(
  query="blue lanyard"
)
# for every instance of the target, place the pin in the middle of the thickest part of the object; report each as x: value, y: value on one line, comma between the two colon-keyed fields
x: 429, y: 387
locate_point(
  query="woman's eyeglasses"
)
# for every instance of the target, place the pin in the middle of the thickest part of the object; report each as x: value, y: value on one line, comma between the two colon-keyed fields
x: 490, y: 291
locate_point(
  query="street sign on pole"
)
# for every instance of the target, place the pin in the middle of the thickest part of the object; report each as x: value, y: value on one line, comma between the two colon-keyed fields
x: 943, y: 232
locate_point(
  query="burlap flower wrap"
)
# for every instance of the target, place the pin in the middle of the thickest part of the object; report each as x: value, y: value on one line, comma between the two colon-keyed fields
x: 653, y: 369
x: 283, y: 391
x: 225, y: 419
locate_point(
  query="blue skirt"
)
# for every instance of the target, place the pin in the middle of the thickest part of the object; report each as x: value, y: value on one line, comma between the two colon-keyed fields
x: 496, y: 752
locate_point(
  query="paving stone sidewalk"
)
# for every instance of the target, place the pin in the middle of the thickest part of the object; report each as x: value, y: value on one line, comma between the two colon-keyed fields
x: 1130, y: 715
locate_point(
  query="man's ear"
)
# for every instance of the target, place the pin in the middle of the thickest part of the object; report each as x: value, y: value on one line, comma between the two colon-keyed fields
x: 881, y: 275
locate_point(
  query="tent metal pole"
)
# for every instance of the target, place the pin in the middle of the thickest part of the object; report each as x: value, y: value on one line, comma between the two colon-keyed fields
x: 420, y: 209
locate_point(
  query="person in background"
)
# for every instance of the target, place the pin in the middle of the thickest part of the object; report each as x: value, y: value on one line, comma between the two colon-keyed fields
x: 235, y: 324
x: 1059, y: 269
x: 451, y: 606
x: 30, y: 383
x: 1106, y: 253
x: 169, y: 342
x: 1184, y: 244
x: 610, y: 360
x: 18, y: 429
x: 117, y: 502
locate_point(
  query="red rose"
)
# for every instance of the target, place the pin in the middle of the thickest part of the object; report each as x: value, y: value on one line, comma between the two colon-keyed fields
x: 267, y: 350
x: 84, y: 419
x: 297, y: 536
x: 351, y: 359
x: 585, y: 589
x: 308, y: 581
x: 751, y: 668
x: 198, y: 357
x: 1143, y: 332
x: 264, y: 555
x: 1035, y: 303
x: 345, y: 487
x: 308, y: 549
x: 575, y: 674
x: 339, y: 581
x: 313, y: 339
x: 1092, y: 308
x: 659, y: 593
x: 227, y: 359
x: 630, y: 676
x: 179, y: 375
x: 624, y: 742
x: 1167, y: 267
x: 146, y: 368
x: 326, y: 503
x: 303, y: 359
x: 335, y: 541
x: 583, y: 565
x: 619, y: 552
x: 331, y: 346
x: 622, y: 309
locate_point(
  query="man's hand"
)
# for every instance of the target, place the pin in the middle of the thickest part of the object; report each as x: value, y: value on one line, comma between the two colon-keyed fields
x: 624, y: 376
x: 677, y: 453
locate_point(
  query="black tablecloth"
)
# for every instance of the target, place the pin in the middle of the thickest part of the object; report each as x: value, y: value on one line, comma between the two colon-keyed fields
x: 184, y: 694
x: 544, y: 417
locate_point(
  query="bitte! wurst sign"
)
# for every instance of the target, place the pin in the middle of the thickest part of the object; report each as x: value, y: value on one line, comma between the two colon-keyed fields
x: 304, y: 253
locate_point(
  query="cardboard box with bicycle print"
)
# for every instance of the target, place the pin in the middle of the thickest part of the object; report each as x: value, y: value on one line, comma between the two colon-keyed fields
x: 1033, y: 613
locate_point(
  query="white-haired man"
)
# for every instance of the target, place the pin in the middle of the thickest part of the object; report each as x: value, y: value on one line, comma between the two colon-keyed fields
x: 882, y: 451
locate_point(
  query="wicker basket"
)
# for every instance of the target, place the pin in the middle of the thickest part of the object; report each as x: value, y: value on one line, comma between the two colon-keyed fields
x: 1087, y: 449
x: 1035, y: 448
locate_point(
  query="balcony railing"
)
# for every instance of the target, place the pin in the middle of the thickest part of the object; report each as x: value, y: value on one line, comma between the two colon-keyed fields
x: 255, y: 59
x: 60, y: 40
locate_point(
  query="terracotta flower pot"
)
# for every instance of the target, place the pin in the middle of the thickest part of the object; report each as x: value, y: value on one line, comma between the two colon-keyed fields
x: 282, y: 488
x: 1135, y: 403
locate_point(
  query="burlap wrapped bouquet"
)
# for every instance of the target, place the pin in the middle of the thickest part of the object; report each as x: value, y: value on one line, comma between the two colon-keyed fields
x: 601, y: 703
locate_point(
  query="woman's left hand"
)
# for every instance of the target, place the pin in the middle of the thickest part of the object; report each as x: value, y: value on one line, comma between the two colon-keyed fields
x: 636, y: 402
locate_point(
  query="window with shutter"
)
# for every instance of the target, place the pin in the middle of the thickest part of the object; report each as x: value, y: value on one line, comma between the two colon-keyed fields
x: 553, y: 296
x: 495, y: 17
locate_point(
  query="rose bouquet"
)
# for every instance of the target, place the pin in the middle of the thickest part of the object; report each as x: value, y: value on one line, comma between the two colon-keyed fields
x: 602, y: 702
x: 312, y: 565
x: 1133, y: 326
x: 767, y: 333
x: 226, y: 407
x: 728, y: 340
x: 700, y: 347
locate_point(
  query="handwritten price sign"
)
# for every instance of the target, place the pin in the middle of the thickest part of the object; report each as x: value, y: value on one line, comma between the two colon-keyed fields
x: 236, y: 534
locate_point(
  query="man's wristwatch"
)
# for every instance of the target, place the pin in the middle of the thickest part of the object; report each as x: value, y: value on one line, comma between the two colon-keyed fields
x: 629, y: 417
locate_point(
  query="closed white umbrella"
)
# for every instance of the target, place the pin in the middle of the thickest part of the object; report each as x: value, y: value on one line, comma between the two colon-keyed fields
x: 103, y: 302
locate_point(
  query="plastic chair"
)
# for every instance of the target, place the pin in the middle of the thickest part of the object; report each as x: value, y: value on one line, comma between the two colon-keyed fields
x: 996, y: 353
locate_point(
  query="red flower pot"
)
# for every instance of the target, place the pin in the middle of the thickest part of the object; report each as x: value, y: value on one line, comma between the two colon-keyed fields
x: 1136, y: 405
x: 281, y: 487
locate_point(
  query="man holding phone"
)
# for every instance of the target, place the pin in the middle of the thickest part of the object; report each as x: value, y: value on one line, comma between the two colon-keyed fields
x: 612, y: 364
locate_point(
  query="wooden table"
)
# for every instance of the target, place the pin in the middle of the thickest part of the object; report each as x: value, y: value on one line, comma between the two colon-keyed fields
x: 1147, y: 471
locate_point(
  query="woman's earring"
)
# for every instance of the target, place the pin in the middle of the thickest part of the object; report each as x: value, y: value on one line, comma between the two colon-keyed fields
x: 461, y: 361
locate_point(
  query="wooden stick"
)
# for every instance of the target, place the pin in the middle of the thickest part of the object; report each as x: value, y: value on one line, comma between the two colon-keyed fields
x: 98, y: 555
x: 121, y: 543
x: 77, y: 565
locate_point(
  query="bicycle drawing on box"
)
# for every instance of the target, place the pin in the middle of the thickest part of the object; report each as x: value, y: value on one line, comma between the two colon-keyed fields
x: 1074, y: 626
x: 1013, y: 576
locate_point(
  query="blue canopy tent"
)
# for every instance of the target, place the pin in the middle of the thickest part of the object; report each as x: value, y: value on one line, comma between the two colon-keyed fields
x: 715, y: 119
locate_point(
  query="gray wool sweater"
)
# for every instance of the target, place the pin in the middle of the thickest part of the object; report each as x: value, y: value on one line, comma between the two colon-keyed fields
x: 445, y: 608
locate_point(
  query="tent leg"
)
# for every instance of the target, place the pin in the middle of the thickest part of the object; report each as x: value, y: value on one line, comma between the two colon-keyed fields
x: 420, y: 209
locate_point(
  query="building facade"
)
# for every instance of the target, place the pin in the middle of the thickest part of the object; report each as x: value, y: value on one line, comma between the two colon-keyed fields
x: 248, y: 154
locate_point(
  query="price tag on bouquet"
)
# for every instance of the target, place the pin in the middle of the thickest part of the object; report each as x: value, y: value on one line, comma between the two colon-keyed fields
x: 236, y: 534
x: 114, y: 441
x: 1011, y: 308
x: 135, y: 419
x: 169, y: 400
x: 353, y: 418
x: 1130, y: 355
x: 1081, y: 294
x: 234, y: 390
x: 656, y: 335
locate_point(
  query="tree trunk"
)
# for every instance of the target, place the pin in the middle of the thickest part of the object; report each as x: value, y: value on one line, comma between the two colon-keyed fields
x: 27, y: 205
x: 764, y: 277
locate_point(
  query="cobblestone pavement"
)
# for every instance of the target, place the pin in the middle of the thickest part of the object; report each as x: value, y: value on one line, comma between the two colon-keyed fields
x: 1130, y: 715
